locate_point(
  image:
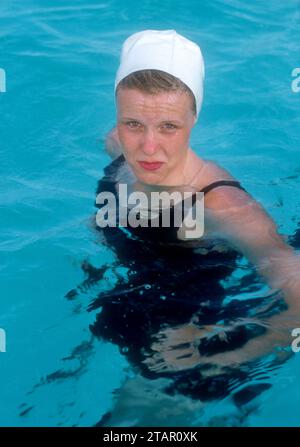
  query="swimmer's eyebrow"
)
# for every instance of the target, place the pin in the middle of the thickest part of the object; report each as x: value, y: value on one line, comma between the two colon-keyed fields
x: 127, y: 118
x: 172, y: 122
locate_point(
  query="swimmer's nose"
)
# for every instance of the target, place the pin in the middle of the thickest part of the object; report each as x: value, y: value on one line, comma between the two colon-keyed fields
x: 149, y: 144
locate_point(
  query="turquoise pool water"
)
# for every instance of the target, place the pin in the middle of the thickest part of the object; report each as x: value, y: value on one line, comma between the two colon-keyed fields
x: 60, y: 59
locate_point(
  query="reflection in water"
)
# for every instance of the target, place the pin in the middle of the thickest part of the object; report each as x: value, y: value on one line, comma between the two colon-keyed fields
x: 155, y: 317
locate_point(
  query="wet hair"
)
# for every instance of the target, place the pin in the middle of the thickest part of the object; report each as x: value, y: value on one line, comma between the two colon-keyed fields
x: 156, y: 81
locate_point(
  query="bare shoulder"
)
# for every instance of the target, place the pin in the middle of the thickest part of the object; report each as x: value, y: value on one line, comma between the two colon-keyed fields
x: 213, y: 171
x: 223, y: 197
x: 112, y: 143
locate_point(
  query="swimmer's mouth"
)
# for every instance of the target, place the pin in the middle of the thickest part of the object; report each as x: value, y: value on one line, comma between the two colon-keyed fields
x: 151, y: 166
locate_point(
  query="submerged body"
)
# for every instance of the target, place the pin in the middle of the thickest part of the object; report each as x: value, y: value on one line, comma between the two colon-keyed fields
x: 169, y: 314
x: 170, y: 318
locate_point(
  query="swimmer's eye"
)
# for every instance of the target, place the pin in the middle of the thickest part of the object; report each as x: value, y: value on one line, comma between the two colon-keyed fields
x: 133, y: 124
x: 169, y: 126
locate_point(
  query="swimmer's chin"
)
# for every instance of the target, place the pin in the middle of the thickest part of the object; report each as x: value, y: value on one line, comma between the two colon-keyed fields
x: 154, y: 178
x: 149, y: 178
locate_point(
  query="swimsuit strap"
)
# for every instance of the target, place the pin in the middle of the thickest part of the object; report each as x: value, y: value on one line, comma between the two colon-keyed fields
x: 120, y: 158
x: 114, y: 164
x: 213, y: 185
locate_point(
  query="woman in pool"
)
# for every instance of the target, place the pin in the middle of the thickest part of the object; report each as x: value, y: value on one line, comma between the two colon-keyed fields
x: 169, y: 315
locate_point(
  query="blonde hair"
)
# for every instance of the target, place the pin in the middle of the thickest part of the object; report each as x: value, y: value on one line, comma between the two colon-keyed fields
x: 156, y: 81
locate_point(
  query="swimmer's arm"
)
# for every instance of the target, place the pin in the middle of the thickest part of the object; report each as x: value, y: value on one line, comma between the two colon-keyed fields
x: 247, y: 226
x: 112, y: 144
x: 242, y: 221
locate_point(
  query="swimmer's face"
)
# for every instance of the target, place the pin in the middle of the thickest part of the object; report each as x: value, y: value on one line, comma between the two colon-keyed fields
x: 154, y: 133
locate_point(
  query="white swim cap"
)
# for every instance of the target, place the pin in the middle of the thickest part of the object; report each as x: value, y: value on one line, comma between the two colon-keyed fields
x: 166, y: 51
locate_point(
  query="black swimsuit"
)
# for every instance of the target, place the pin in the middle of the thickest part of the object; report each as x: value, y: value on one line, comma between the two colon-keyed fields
x: 159, y: 234
x: 167, y: 285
